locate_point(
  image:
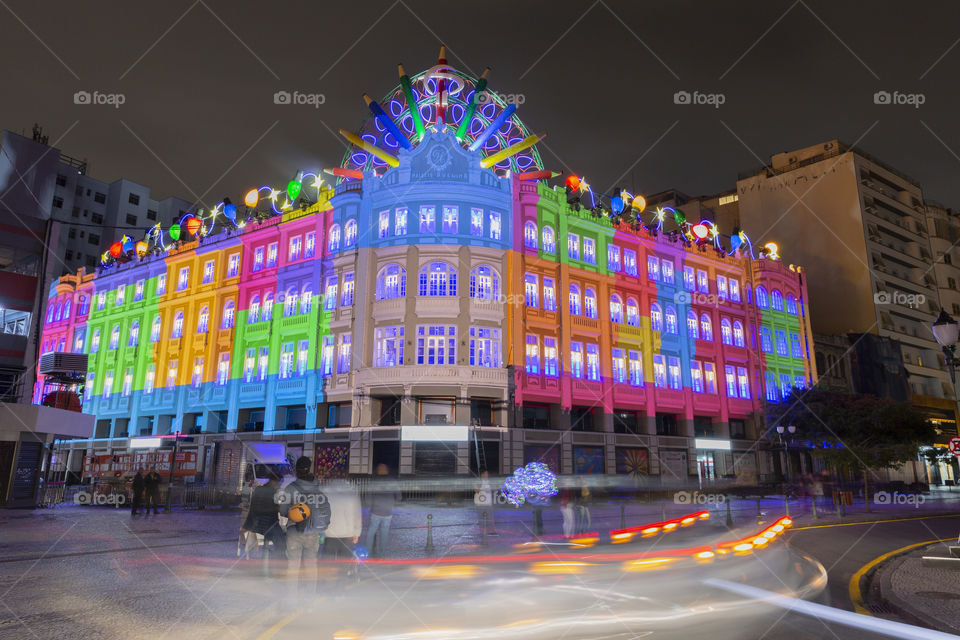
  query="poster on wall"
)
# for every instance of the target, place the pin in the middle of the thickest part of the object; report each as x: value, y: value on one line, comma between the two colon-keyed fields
x: 745, y: 466
x: 673, y: 466
x: 632, y: 462
x: 588, y: 460
x: 548, y: 454
x: 333, y: 461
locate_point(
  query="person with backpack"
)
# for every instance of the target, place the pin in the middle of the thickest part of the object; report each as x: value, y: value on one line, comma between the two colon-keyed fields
x: 136, y: 487
x: 262, y: 517
x: 304, y: 533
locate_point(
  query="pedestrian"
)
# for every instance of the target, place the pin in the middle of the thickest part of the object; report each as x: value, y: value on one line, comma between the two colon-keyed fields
x: 566, y: 511
x: 382, y: 503
x: 303, y: 537
x: 151, y: 490
x: 263, y: 518
x: 483, y: 499
x: 136, y: 487
x: 346, y: 521
x: 582, y: 509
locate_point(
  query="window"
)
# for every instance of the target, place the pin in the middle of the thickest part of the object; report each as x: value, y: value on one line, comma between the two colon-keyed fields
x: 731, y: 377
x: 84, y: 305
x: 326, y: 356
x: 659, y: 371
x: 721, y: 287
x: 590, y: 251
x: 438, y: 279
x: 531, y: 290
x: 630, y: 262
x: 703, y: 281
x: 619, y: 365
x: 93, y: 238
x: 229, y: 310
x: 633, y: 313
x: 272, y: 255
x: 635, y: 366
x: 293, y: 250
x: 286, y: 361
x: 795, y: 348
x: 108, y: 384
x: 346, y: 296
x: 333, y: 238
x: 183, y: 279
x: 743, y: 382
x: 484, y: 347
x: 656, y: 317
x: 391, y: 282
x: 495, y: 228
x: 303, y: 352
x: 734, y: 286
x: 776, y: 300
x: 196, y: 379
x: 263, y: 362
x: 268, y: 307
x: 383, y: 225
x: 309, y: 244
x: 613, y: 257
x: 689, y: 279
x: 134, y: 337
x: 330, y: 293
x: 781, y: 336
x: 766, y: 341
x: 549, y: 295
x: 673, y: 370
x: 58, y: 202
x: 203, y: 320
x: 484, y: 283
x: 249, y: 364
x: 738, y: 333
x: 223, y: 369
x: 350, y: 234
x: 653, y: 268
x: 450, y: 219
x: 762, y: 300
x: 576, y: 359
x: 575, y: 300
x: 590, y: 302
x: 88, y: 389
x: 95, y: 341
x: 291, y: 301
x: 151, y: 214
x: 428, y: 219
x: 388, y: 346
x: 616, y: 308
x: 99, y: 198
x: 666, y: 270
x: 791, y: 304
x: 78, y: 341
x: 573, y: 246
x: 533, y: 355
x: 476, y: 222
x: 549, y: 240
x: 400, y: 222
x: 253, y: 313
x: 131, y: 220
x: 696, y: 376
x: 155, y: 328
x: 177, y: 325
x: 208, y: 272
x: 436, y: 344
x: 709, y: 378
x: 149, y: 379
x: 693, y: 327
x: 550, y: 357
x: 137, y: 293
x: 172, y: 367
x: 593, y: 362
x: 114, y: 337
x: 121, y: 296
x: 133, y: 199
x: 530, y: 234
x: 726, y: 331
x: 799, y: 382
x: 258, y: 254
x: 706, y: 327
x: 786, y: 387
x: 770, y: 385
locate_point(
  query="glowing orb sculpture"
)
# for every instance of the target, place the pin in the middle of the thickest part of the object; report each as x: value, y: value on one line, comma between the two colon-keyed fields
x: 252, y: 198
x: 533, y: 483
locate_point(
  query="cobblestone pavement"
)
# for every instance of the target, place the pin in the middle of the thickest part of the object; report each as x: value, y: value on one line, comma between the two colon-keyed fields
x: 930, y: 595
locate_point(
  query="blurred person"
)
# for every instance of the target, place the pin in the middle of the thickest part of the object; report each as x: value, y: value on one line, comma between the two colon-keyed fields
x: 483, y: 499
x: 136, y: 488
x: 582, y: 509
x: 151, y: 489
x: 381, y: 512
x: 303, y: 538
x: 566, y: 510
x: 346, y: 521
x: 263, y: 519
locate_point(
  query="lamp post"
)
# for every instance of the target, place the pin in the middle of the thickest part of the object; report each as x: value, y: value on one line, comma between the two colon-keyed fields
x: 947, y: 331
x: 791, y: 429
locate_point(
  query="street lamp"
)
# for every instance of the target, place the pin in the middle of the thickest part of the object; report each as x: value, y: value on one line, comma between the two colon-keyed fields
x: 946, y: 331
x: 791, y: 429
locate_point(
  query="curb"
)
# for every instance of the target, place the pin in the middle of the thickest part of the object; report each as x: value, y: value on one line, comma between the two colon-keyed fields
x: 883, y: 577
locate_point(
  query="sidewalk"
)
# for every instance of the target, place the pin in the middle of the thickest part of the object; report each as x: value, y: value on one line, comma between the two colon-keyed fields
x: 929, y: 595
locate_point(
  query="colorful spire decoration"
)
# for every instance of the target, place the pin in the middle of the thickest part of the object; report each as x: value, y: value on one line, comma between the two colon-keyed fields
x: 411, y: 102
x: 478, y: 91
x: 386, y: 121
x: 492, y: 128
x: 512, y: 150
x: 369, y: 148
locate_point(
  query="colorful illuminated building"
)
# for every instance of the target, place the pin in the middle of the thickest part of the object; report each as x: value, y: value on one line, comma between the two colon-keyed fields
x: 442, y: 306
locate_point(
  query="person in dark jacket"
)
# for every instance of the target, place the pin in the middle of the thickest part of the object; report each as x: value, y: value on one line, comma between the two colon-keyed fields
x: 136, y: 488
x: 381, y: 512
x: 151, y: 489
x: 263, y: 518
x: 303, y: 538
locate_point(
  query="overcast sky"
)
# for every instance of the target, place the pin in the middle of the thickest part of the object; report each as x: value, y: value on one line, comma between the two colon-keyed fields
x: 198, y: 79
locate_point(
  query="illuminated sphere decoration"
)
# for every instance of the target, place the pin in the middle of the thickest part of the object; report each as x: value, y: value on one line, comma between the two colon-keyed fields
x: 701, y: 231
x: 116, y: 249
x: 252, y: 198
x: 174, y: 231
x: 230, y: 211
x: 142, y: 248
x: 573, y: 181
x: 616, y: 203
x: 193, y: 225
x: 639, y: 203
x: 127, y: 243
x: 293, y: 189
x: 533, y: 483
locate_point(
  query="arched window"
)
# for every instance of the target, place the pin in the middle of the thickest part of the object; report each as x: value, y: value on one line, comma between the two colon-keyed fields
x: 84, y: 305
x: 177, y: 325
x: 134, y: 334
x: 350, y: 233
x: 203, y: 320
x: 616, y: 308
x: 738, y: 333
x: 268, y: 307
x: 51, y: 309
x: 656, y: 317
x: 333, y: 238
x: 633, y: 313
x: 762, y: 301
x: 791, y: 304
x: 484, y: 283
x: 95, y: 341
x: 59, y: 315
x: 226, y: 322
x: 391, y: 282
x: 776, y: 300
x: 726, y: 331
x: 706, y: 327
x: 155, y: 328
x: 590, y: 302
x: 115, y: 337
x: 530, y: 234
x: 306, y: 300
x: 671, y: 319
x: 66, y: 310
x: 575, y: 300
x: 253, y: 313
x: 438, y: 279
x: 290, y: 302
x: 549, y: 240
x: 693, y: 327
x: 78, y: 341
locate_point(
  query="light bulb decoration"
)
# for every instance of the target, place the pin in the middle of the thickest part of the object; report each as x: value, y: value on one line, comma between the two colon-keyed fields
x: 252, y: 198
x: 771, y: 251
x: 534, y: 483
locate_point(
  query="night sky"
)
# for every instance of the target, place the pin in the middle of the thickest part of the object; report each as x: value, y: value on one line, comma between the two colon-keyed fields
x: 199, y: 120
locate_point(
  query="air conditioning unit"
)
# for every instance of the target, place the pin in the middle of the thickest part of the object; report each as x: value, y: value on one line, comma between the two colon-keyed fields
x: 59, y: 362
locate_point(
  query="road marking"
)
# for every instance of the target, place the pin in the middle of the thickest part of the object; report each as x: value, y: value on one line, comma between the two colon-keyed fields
x: 852, y: 524
x: 856, y: 597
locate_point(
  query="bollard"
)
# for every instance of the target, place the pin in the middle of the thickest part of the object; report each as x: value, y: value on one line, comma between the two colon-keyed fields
x: 813, y: 504
x: 786, y: 505
x: 623, y: 516
x: 759, y: 512
x: 429, y: 547
x: 483, y: 528
x: 729, y: 515
x: 840, y: 509
x: 663, y: 513
x: 538, y: 522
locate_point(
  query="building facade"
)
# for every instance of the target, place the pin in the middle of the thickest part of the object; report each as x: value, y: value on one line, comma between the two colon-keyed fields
x: 440, y: 293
